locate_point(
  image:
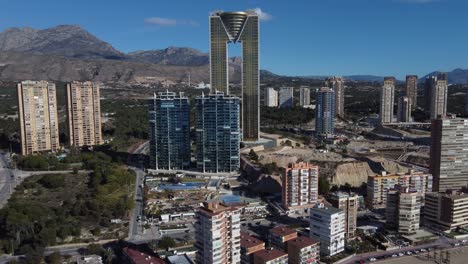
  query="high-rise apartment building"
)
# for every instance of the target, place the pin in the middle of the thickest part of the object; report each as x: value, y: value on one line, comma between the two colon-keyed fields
x: 37, y: 110
x: 404, y: 109
x: 327, y: 225
x: 349, y: 204
x: 304, y: 96
x: 279, y: 237
x: 428, y: 83
x: 300, y: 186
x: 303, y: 250
x: 271, y: 97
x: 325, y: 112
x: 217, y: 133
x: 439, y: 93
x: 446, y: 210
x: 387, y: 98
x: 84, y: 114
x: 217, y: 234
x: 169, y: 123
x: 449, y: 153
x: 237, y: 27
x: 337, y: 84
x: 286, y: 97
x: 270, y: 256
x: 403, y: 210
x: 412, y: 89
x: 379, y: 185
x: 249, y: 245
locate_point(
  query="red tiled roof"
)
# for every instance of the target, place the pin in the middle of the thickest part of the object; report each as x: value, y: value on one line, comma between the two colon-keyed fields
x: 138, y: 257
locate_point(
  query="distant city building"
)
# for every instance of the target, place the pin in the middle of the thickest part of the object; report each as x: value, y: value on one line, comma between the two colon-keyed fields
x: 249, y: 245
x: 271, y: 97
x: 412, y: 89
x: 387, y: 98
x: 270, y: 256
x: 403, y: 210
x: 37, y: 111
x: 337, y: 84
x: 379, y: 185
x: 439, y: 96
x: 217, y: 133
x: 304, y: 96
x: 169, y: 123
x: 300, y: 186
x: 325, y: 112
x: 449, y: 153
x: 217, y: 234
x: 466, y: 103
x: 446, y: 210
x: 279, y: 236
x: 303, y: 250
x: 286, y: 97
x: 84, y: 114
x: 327, y: 225
x: 428, y: 83
x: 404, y: 109
x: 237, y: 27
x: 349, y: 203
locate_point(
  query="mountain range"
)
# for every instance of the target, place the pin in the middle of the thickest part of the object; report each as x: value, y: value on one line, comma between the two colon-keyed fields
x: 69, y: 52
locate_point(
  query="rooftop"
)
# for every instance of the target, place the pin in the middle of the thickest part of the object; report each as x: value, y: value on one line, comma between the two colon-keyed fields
x: 139, y: 257
x: 179, y: 259
x: 268, y: 255
x: 248, y: 241
x: 302, y: 242
x: 327, y: 210
x: 282, y: 231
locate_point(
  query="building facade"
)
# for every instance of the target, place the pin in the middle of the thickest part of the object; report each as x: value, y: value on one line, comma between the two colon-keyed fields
x: 169, y: 123
x: 84, y: 114
x: 449, y: 153
x: 439, y: 91
x: 446, y: 210
x: 337, y: 85
x: 217, y: 133
x: 325, y: 112
x: 271, y: 97
x: 279, y: 237
x: 304, y: 96
x: 379, y: 185
x: 217, y: 234
x: 327, y: 225
x: 270, y: 256
x: 303, y: 250
x: 249, y: 245
x: 37, y: 111
x: 403, y: 210
x: 237, y: 27
x: 349, y: 203
x: 300, y: 186
x: 404, y: 109
x: 286, y: 97
x: 411, y: 90
x: 387, y: 98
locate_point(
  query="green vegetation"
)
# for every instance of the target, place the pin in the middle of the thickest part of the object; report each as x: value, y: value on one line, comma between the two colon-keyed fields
x: 54, y: 209
x: 253, y: 156
x: 270, y: 168
x: 323, y: 186
x: 285, y: 116
x: 41, y: 162
x: 166, y: 242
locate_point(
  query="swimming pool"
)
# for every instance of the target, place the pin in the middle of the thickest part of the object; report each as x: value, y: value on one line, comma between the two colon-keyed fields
x: 182, y: 186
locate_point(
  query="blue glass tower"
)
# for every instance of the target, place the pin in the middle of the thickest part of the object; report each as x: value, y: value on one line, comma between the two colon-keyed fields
x: 217, y: 133
x: 169, y: 122
x: 325, y: 112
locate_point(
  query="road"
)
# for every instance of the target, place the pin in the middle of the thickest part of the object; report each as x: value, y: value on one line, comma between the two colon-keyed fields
x: 135, y: 228
x: 7, y: 179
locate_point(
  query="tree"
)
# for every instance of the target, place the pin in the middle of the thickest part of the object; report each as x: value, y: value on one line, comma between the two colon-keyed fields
x: 95, y: 249
x: 324, y: 186
x: 54, y: 258
x: 253, y: 156
x: 166, y: 242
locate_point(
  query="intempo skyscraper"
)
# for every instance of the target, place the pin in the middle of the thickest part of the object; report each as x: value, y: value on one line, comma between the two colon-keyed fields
x: 237, y: 27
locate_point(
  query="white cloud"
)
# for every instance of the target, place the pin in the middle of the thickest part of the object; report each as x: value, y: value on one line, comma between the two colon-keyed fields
x: 262, y: 15
x: 160, y: 21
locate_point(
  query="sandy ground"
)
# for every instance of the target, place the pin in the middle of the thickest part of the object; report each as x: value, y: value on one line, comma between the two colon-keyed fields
x: 457, y: 256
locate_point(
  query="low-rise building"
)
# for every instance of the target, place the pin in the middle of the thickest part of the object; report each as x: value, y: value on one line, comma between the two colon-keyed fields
x: 280, y: 235
x: 134, y: 256
x: 327, y: 225
x: 270, y: 256
x: 249, y: 245
x: 446, y: 210
x: 303, y: 250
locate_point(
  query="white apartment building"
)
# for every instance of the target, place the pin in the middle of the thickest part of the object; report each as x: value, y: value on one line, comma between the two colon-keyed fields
x: 327, y: 225
x: 217, y: 234
x: 271, y: 97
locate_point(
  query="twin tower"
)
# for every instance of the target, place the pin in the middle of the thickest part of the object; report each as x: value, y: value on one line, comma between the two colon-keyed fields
x: 237, y: 27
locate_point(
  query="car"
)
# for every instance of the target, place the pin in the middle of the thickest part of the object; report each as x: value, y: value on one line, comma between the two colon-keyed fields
x: 401, y: 254
x: 423, y: 250
x: 372, y: 259
x: 394, y: 255
x: 409, y: 253
x: 457, y: 244
x: 416, y: 251
x: 464, y: 241
x: 258, y: 223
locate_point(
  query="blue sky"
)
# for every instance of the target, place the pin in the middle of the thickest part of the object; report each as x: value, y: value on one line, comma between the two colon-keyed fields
x: 307, y: 37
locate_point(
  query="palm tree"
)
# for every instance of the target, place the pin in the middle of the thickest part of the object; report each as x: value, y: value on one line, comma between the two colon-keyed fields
x: 109, y: 255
